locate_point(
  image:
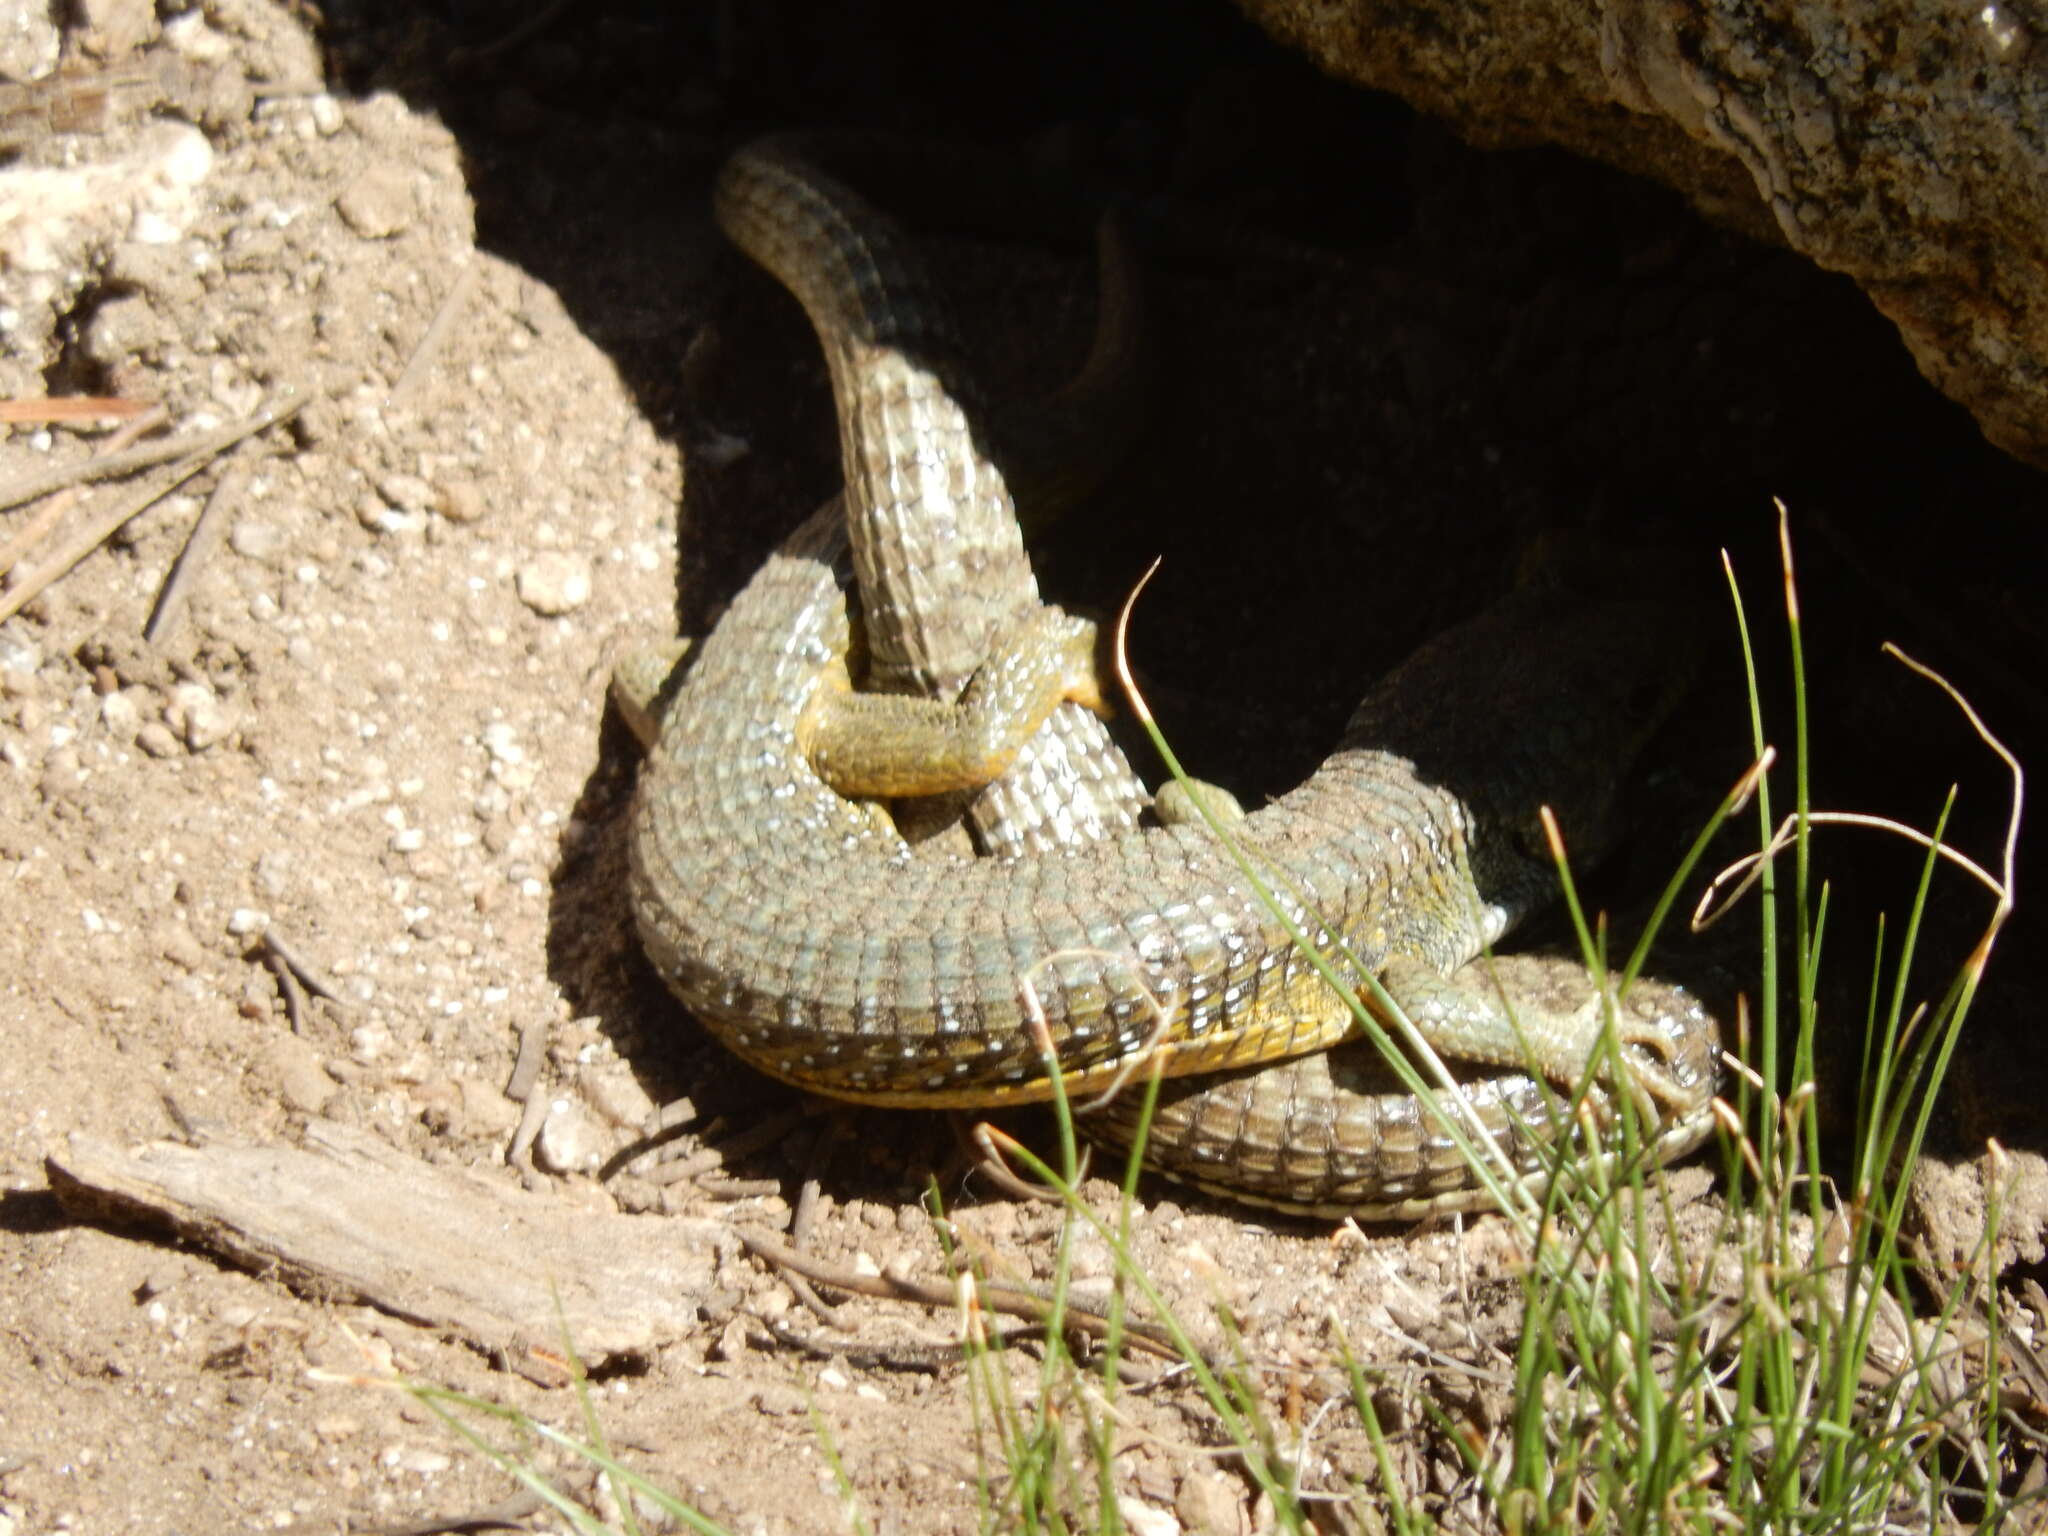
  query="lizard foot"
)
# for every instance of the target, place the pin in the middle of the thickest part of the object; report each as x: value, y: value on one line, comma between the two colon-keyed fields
x: 1667, y: 1043
x: 1545, y: 1015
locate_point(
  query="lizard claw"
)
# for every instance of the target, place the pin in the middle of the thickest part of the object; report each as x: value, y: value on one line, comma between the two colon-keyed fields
x: 1660, y: 1025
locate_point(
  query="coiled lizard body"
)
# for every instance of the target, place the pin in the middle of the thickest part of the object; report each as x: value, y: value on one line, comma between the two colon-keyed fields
x: 817, y: 946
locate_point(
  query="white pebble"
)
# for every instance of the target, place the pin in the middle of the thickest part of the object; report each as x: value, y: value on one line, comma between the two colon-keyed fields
x: 554, y: 583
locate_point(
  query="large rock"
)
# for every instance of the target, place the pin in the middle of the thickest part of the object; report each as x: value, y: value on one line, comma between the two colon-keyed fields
x: 1895, y: 141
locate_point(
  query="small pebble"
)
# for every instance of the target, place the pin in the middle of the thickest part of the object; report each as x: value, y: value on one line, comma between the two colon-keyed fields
x: 273, y: 872
x: 117, y: 27
x: 485, y: 1110
x: 191, y: 36
x: 207, y: 725
x: 378, y: 517
x: 555, y: 583
x: 1143, y: 1519
x: 377, y: 204
x: 461, y: 501
x: 615, y: 1093
x: 501, y: 740
x: 571, y: 1140
x: 122, y: 330
x: 62, y: 774
x: 199, y: 716
x: 299, y: 1075
x: 255, y: 540
x: 121, y: 717
x: 175, y: 942
x: 1210, y: 1505
x: 731, y: 1343
x: 20, y: 656
x: 419, y: 1459
x: 408, y: 493
x: 156, y: 739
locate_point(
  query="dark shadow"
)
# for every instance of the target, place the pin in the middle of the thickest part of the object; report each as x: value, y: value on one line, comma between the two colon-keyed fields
x: 29, y: 1212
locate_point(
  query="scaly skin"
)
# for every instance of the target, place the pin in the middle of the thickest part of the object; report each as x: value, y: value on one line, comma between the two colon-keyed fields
x: 1335, y: 1134
x: 820, y: 950
x: 910, y: 994
x: 934, y: 531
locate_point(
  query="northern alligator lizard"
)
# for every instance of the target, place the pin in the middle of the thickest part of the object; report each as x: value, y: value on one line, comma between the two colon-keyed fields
x: 818, y: 947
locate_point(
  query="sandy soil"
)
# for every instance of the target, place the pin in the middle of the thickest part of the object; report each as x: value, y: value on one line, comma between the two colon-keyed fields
x: 377, y: 727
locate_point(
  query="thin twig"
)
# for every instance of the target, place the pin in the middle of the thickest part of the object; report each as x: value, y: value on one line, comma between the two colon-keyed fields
x: 103, y: 527
x: 288, y: 986
x: 801, y: 1220
x: 111, y: 465
x: 681, y: 1169
x: 1750, y: 867
x: 33, y: 582
x: 1010, y: 1300
x: 308, y: 977
x: 669, y: 1163
x: 436, y: 333
x: 520, y: 1088
x: 988, y: 1162
x: 533, y: 1039
x: 805, y: 1215
x: 757, y: 1137
x: 927, y: 1359
x: 2009, y: 860
x: 68, y: 408
x: 672, y: 1116
x: 520, y: 1153
x: 720, y: 1188
x: 1719, y: 897
x: 509, y: 1513
x: 200, y: 544
x: 31, y: 532
x: 643, y: 1156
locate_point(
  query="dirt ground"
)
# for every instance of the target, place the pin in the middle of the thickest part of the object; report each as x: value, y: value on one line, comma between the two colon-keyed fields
x: 376, y: 727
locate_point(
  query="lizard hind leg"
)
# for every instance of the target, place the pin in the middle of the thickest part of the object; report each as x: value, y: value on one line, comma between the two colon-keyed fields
x: 643, y: 682
x: 1542, y: 1013
x: 894, y: 744
x: 1546, y: 1015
